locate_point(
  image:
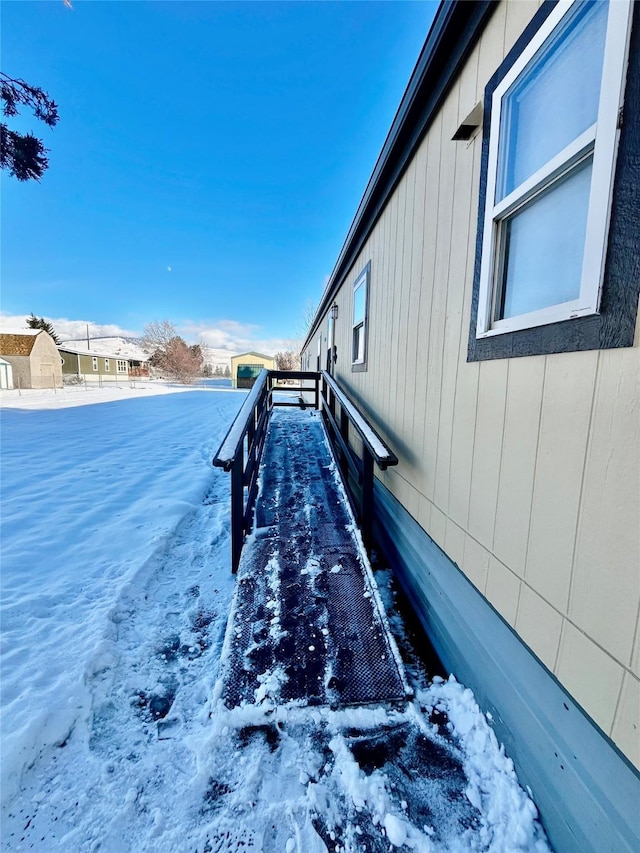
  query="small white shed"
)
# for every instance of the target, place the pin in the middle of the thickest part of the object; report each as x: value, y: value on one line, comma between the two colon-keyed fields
x: 6, y: 374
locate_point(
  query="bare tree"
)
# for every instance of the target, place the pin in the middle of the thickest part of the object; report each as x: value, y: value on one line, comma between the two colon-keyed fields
x: 170, y: 354
x: 157, y: 335
x: 294, y: 346
x: 287, y: 360
x: 308, y: 316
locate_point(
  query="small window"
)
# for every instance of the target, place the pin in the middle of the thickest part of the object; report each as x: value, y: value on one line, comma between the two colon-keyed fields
x: 94, y: 362
x: 552, y: 152
x: 360, y: 319
x: 107, y: 366
x: 122, y: 366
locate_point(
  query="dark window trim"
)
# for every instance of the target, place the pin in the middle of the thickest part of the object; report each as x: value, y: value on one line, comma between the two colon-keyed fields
x: 361, y: 366
x: 614, y: 326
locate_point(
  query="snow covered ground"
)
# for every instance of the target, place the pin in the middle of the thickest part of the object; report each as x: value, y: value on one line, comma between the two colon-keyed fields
x: 115, y: 594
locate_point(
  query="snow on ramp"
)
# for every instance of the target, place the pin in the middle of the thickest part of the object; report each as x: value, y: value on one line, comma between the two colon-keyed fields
x: 307, y: 625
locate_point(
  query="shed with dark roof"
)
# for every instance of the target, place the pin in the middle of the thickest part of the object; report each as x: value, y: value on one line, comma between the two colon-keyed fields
x: 33, y: 357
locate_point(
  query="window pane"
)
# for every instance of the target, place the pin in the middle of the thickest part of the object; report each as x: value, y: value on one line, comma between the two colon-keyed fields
x: 359, y: 299
x: 544, y: 246
x: 358, y: 343
x: 249, y: 371
x: 555, y: 99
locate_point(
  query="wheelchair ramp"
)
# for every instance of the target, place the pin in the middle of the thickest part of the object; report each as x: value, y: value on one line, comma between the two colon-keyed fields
x: 306, y: 626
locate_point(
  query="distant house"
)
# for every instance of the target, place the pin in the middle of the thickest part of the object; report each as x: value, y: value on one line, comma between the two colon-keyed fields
x: 120, y: 348
x: 247, y: 366
x: 92, y: 366
x: 103, y: 359
x: 6, y: 374
x: 34, y: 359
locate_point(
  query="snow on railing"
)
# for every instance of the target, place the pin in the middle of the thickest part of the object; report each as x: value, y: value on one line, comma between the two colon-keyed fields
x: 241, y: 450
x: 360, y: 467
x: 382, y: 455
x: 232, y: 443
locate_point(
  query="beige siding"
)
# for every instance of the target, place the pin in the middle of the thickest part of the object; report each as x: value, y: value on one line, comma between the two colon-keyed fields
x: 21, y: 370
x: 524, y: 471
x: 562, y: 441
x: 46, y: 366
x: 489, y: 433
x: 518, y: 461
x: 604, y: 604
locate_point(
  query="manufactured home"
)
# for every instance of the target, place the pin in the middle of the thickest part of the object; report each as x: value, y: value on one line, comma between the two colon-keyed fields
x: 92, y: 366
x: 483, y: 313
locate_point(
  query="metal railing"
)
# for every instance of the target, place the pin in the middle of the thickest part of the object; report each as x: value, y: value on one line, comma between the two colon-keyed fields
x: 241, y: 451
x: 341, y: 415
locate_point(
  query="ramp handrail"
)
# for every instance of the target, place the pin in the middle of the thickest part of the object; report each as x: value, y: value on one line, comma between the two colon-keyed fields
x: 357, y: 471
x: 241, y: 449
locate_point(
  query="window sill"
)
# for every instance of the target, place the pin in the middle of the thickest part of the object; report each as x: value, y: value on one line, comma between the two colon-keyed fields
x: 523, y: 322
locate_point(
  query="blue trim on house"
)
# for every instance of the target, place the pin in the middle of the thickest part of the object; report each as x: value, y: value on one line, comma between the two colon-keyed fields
x: 586, y: 790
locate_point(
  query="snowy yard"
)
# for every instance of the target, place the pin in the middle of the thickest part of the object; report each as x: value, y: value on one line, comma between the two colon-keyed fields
x: 116, y: 589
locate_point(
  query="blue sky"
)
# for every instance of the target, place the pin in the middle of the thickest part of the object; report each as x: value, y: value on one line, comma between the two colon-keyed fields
x: 208, y: 160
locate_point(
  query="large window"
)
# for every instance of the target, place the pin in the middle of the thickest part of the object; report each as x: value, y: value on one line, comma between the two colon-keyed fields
x: 360, y: 319
x: 553, y: 140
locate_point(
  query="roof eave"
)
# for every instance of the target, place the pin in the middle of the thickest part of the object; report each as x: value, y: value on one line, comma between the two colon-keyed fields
x: 452, y: 35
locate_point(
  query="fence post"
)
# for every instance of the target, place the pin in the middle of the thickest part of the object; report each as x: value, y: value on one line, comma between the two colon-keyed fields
x: 237, y: 510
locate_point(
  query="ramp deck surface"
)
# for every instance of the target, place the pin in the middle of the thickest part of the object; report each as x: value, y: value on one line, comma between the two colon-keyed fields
x: 306, y: 625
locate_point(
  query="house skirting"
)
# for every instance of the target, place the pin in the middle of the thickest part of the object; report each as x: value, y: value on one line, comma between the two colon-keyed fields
x: 101, y: 378
x: 585, y: 789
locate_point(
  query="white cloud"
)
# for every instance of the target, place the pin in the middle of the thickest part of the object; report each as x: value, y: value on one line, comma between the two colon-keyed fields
x: 68, y: 330
x: 232, y: 337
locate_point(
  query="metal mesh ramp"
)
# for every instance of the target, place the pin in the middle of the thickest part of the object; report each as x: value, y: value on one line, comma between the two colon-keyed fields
x: 306, y: 626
